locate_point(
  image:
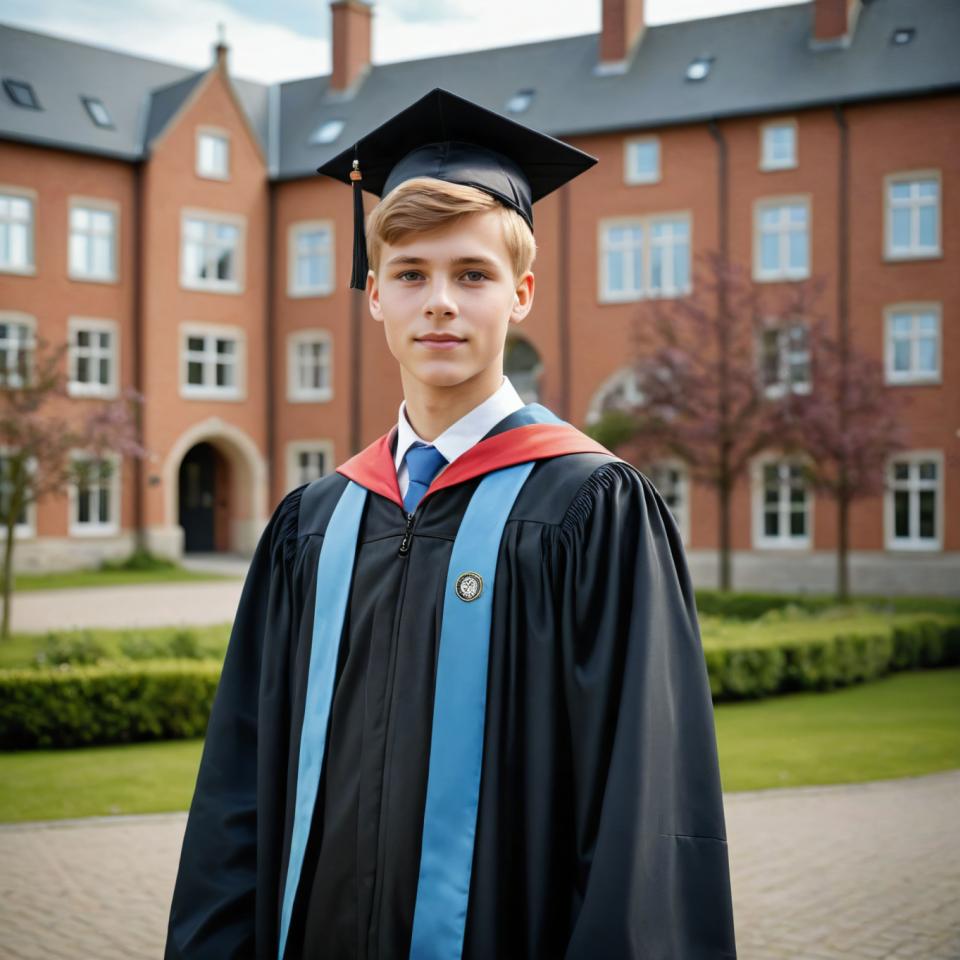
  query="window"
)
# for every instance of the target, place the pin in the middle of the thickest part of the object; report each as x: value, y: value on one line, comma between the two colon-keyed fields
x: 93, y: 241
x: 213, y: 155
x: 211, y: 253
x: 913, y: 215
x: 699, y: 68
x: 782, y: 504
x: 785, y: 359
x: 308, y: 460
x: 310, y: 256
x: 778, y: 149
x: 523, y: 367
x: 670, y: 479
x: 310, y: 366
x: 619, y: 392
x: 520, y: 101
x: 914, y: 504
x: 327, y: 132
x: 25, y: 525
x: 17, y: 341
x: 98, y: 112
x: 16, y: 231
x: 631, y: 268
x: 781, y: 239
x: 21, y: 93
x: 95, y: 494
x: 641, y: 160
x: 913, y: 343
x: 212, y: 365
x: 92, y: 357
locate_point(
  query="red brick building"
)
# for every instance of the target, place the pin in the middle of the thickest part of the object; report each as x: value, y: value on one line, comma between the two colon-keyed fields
x: 170, y: 226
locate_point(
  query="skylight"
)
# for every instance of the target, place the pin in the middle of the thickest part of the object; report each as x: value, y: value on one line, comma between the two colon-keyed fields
x: 902, y: 35
x: 327, y: 132
x: 21, y: 93
x: 699, y: 67
x: 520, y: 100
x: 98, y: 112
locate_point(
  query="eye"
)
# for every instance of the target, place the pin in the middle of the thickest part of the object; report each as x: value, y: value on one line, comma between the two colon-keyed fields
x: 408, y: 273
x: 474, y: 275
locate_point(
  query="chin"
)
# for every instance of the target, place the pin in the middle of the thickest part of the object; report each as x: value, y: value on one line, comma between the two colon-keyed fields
x: 441, y: 374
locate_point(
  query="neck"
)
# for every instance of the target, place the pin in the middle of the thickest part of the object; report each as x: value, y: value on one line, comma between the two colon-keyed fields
x: 431, y: 409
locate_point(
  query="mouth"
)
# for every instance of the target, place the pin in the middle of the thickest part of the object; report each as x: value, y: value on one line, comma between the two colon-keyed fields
x: 440, y: 341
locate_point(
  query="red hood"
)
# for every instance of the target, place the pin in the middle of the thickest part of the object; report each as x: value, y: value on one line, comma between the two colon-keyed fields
x: 374, y: 468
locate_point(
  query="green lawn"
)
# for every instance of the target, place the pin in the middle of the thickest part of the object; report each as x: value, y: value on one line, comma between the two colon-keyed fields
x: 23, y: 582
x: 903, y: 725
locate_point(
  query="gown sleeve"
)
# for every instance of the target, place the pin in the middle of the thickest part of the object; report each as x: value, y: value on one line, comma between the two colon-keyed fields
x: 212, y: 911
x: 652, y: 875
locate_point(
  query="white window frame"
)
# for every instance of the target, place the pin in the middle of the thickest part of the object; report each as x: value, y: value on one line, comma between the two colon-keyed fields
x: 30, y: 195
x: 914, y: 252
x: 221, y: 134
x: 325, y: 287
x: 785, y: 358
x: 913, y: 543
x: 97, y: 528
x: 206, y: 391
x: 214, y: 285
x: 631, y: 174
x: 783, y: 273
x: 296, y: 447
x: 683, y: 489
x: 626, y: 379
x: 645, y: 224
x: 766, y: 161
x: 295, y: 392
x: 78, y: 388
x: 761, y: 540
x: 30, y: 322
x: 94, y: 205
x: 912, y: 376
x: 27, y: 530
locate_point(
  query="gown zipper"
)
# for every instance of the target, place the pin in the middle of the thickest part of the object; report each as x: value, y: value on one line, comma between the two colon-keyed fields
x: 407, y: 537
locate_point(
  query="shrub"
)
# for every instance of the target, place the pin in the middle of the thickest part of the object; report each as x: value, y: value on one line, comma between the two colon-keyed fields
x: 57, y: 650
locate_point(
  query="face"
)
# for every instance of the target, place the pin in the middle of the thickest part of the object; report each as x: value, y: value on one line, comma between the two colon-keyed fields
x: 446, y: 299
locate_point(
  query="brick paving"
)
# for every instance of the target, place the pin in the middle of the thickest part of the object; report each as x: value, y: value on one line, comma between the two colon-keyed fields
x: 860, y: 872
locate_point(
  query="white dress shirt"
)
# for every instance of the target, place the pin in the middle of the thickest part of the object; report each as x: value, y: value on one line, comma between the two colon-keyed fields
x: 459, y: 437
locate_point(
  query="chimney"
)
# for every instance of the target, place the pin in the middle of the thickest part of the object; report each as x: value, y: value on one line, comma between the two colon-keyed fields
x: 352, y: 20
x: 220, y: 49
x: 623, y: 26
x: 833, y: 22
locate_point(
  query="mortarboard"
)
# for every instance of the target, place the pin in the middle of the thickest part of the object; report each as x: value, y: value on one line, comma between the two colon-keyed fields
x: 447, y: 137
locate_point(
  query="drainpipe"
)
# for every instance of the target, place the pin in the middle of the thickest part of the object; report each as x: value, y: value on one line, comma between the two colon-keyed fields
x: 563, y: 304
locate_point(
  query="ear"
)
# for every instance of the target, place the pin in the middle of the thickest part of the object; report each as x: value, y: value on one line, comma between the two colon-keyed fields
x: 522, y: 298
x: 373, y: 297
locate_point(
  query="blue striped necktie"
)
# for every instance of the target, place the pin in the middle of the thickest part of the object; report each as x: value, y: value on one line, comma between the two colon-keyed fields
x: 423, y: 463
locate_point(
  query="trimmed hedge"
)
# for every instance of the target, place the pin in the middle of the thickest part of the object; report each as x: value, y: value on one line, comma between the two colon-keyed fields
x: 739, y: 673
x: 121, y: 702
x: 107, y: 703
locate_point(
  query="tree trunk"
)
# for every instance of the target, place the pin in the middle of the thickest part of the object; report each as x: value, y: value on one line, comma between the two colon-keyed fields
x: 7, y: 576
x: 843, y: 573
x: 723, y: 496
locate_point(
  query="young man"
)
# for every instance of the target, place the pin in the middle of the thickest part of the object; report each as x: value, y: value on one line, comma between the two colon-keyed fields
x: 464, y: 710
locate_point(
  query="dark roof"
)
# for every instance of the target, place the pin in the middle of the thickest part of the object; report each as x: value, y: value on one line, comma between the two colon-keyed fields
x: 140, y: 94
x: 763, y: 63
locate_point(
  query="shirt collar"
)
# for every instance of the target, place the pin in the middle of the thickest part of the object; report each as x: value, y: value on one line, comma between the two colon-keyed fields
x: 472, y: 427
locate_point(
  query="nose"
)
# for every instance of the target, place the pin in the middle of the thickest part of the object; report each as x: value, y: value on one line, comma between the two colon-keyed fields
x: 440, y: 302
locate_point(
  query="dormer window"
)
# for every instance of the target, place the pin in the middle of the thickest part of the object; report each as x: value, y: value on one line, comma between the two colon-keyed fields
x: 21, y: 93
x: 328, y: 131
x: 902, y: 35
x: 98, y: 112
x: 520, y: 101
x: 699, y: 68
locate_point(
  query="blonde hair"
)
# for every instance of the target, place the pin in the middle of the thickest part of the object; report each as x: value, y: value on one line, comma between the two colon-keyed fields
x: 425, y: 203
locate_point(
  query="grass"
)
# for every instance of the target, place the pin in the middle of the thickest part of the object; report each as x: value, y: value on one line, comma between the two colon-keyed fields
x: 26, y: 582
x: 21, y: 648
x: 902, y: 725
x: 905, y: 724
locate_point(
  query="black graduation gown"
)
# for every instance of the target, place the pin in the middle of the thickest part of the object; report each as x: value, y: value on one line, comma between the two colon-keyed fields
x: 600, y: 830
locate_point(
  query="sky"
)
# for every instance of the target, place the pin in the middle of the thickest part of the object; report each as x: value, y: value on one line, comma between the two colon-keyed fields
x: 289, y: 39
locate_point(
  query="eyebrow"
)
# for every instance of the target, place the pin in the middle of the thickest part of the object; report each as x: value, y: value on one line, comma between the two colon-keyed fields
x: 458, y: 262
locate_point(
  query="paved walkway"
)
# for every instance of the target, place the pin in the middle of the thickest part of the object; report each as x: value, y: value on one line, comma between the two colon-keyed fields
x: 865, y: 872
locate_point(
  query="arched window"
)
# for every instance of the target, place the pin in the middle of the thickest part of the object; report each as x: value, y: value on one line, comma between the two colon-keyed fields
x: 522, y: 364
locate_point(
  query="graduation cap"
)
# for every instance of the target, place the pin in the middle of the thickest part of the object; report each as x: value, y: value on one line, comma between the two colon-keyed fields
x: 449, y: 138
